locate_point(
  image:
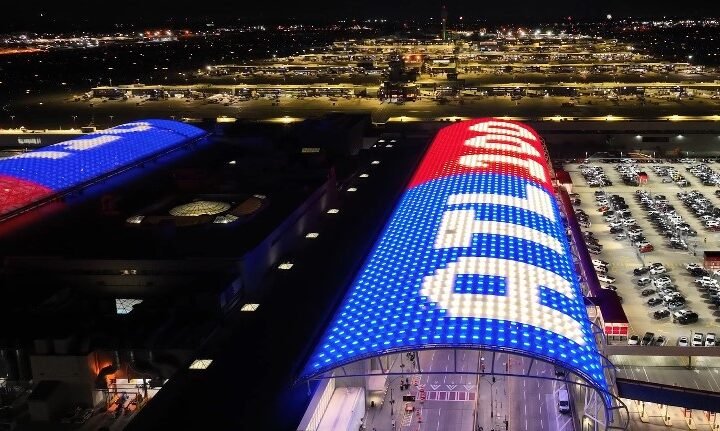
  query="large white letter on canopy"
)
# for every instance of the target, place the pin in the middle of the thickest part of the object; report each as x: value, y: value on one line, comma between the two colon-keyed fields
x: 521, y: 302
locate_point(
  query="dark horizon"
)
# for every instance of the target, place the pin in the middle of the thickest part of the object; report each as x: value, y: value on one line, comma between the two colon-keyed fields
x: 85, y: 14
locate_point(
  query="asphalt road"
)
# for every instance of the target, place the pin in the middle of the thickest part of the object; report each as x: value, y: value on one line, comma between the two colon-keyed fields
x: 456, y: 401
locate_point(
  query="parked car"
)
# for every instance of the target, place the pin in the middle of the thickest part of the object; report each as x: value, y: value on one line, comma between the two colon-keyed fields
x: 643, y: 281
x: 661, y: 314
x: 606, y: 279
x: 697, y: 339
x: 706, y: 281
x: 683, y: 342
x: 710, y: 339
x: 689, y: 317
x: 634, y: 340
x: 692, y: 265
x: 654, y: 301
x: 641, y: 271
x: 662, y: 281
x: 647, y: 339
x: 699, y: 272
x: 646, y: 248
x: 656, y: 270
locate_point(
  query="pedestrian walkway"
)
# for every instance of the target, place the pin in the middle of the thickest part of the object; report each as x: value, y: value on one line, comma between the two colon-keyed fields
x: 646, y: 416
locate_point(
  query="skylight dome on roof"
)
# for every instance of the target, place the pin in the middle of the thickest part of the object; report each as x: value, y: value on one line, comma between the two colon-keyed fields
x: 199, y: 208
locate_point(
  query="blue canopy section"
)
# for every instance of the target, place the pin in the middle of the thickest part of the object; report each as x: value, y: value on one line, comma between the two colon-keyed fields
x: 65, y: 165
x: 387, y: 309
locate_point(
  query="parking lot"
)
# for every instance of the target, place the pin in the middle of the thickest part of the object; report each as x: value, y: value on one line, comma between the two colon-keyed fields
x: 654, y: 216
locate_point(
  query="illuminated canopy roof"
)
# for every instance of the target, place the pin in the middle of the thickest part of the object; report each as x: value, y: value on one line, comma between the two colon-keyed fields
x: 475, y: 255
x: 28, y: 178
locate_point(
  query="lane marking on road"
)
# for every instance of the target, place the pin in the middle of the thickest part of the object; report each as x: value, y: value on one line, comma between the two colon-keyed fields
x: 450, y: 396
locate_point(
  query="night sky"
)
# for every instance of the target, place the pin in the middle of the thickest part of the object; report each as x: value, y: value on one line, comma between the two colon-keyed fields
x: 519, y: 11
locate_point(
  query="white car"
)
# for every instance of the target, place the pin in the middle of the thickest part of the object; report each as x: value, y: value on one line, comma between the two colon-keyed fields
x: 644, y: 281
x: 682, y: 342
x: 598, y: 262
x: 606, y: 279
x: 691, y: 266
x: 634, y: 340
x: 697, y: 339
x: 706, y: 281
x: 710, y: 339
x: 658, y: 270
x: 662, y: 282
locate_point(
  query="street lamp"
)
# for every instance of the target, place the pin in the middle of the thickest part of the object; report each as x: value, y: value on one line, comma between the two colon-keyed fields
x: 111, y: 118
x: 12, y: 118
x: 74, y: 117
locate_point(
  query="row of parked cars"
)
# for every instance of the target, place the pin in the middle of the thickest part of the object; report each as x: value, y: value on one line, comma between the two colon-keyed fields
x: 671, y: 175
x: 582, y: 217
x: 648, y: 339
x: 698, y: 339
x: 666, y: 220
x: 629, y: 172
x: 706, y: 283
x: 617, y: 214
x: 592, y: 243
x: 702, y: 208
x: 601, y: 269
x: 704, y: 173
x: 656, y: 283
x: 595, y: 176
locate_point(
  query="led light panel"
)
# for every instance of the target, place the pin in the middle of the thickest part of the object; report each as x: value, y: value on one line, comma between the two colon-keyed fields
x: 475, y: 255
x: 30, y: 177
